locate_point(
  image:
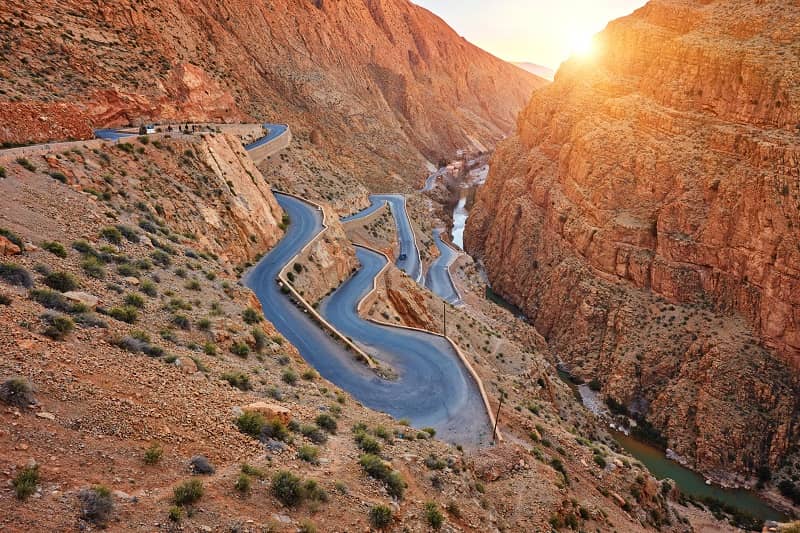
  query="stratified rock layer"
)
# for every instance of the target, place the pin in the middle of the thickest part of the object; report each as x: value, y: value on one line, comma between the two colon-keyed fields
x: 647, y: 186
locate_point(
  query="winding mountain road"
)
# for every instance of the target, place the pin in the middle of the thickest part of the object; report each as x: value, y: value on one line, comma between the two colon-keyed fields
x: 273, y: 132
x: 438, y: 278
x: 409, y: 260
x: 433, y: 388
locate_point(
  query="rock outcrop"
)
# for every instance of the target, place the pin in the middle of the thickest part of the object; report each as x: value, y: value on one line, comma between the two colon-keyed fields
x: 646, y: 215
x: 382, y: 81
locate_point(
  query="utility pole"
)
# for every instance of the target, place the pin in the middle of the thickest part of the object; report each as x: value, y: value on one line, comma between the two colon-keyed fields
x: 497, y: 419
x: 444, y: 318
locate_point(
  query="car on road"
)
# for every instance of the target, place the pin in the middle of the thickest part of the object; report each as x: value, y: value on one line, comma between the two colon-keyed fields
x: 402, y: 257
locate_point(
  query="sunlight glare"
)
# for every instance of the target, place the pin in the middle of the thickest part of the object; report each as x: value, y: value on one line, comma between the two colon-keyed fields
x: 582, y: 44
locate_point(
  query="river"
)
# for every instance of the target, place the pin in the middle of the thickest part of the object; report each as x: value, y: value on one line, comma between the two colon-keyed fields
x: 688, y: 481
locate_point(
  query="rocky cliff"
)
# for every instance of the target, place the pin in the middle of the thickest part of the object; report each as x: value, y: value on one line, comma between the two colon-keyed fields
x: 646, y: 215
x: 384, y: 82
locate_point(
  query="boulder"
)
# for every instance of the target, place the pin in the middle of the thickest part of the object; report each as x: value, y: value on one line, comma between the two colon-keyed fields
x: 8, y: 248
x: 187, y: 365
x: 85, y: 298
x: 270, y: 411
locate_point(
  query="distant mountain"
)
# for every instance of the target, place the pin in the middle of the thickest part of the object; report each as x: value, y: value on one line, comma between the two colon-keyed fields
x: 384, y: 79
x: 539, y: 70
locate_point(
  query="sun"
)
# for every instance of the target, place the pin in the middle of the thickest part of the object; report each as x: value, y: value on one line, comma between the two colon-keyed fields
x: 581, y: 44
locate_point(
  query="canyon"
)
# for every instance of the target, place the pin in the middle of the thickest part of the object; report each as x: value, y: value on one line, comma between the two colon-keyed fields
x: 646, y: 217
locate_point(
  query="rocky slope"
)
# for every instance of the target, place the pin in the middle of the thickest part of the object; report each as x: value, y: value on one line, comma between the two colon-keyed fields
x: 150, y: 357
x: 383, y: 82
x: 646, y: 215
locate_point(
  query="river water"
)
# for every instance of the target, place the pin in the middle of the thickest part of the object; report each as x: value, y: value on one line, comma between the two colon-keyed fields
x: 460, y: 215
x: 688, y: 481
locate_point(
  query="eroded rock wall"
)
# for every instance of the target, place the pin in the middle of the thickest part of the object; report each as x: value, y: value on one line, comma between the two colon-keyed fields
x: 647, y: 216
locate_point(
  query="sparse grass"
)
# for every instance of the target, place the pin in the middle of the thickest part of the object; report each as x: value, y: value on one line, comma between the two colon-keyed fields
x: 326, y: 422
x: 125, y: 313
x: 308, y: 453
x: 27, y: 165
x: 15, y: 275
x: 61, y: 281
x: 366, y: 443
x: 240, y: 348
x: 25, y: 481
x: 276, y: 430
x: 209, y: 348
x: 134, y: 300
x: 111, y: 234
x: 153, y: 454
x: 243, y: 483
x: 251, y: 316
x: 58, y: 326
x: 288, y: 488
x: 55, y: 248
x: 96, y: 504
x: 380, y: 516
x: 148, y: 288
x: 252, y: 471
x: 375, y: 467
x: 433, y: 516
x: 289, y: 376
x: 251, y: 423
x: 239, y: 380
x: 188, y: 492
x: 93, y: 267
x: 310, y: 374
x: 17, y: 391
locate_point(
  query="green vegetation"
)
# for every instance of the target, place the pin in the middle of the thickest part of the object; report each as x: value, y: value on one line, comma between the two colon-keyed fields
x: 433, y: 515
x: 251, y: 316
x: 15, y: 275
x: 61, y: 281
x: 96, y: 504
x: 366, y: 443
x: 251, y: 423
x: 308, y: 453
x: 326, y: 422
x: 377, y: 468
x: 188, y: 492
x: 25, y: 481
x: 58, y: 176
x: 289, y: 376
x: 243, y: 483
x: 93, y: 267
x: 58, y: 326
x: 126, y: 313
x: 240, y: 348
x: 27, y: 165
x: 55, y: 248
x: 380, y: 516
x: 17, y: 392
x: 153, y: 454
x: 291, y: 490
x: 134, y: 300
x: 111, y: 234
x: 239, y: 380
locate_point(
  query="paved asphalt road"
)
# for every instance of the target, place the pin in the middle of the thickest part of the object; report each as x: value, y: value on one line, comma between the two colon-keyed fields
x: 273, y: 131
x: 433, y: 388
x: 112, y: 134
x: 438, y: 277
x: 411, y: 265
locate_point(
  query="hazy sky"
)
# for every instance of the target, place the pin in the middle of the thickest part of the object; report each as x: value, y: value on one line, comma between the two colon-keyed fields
x: 540, y: 31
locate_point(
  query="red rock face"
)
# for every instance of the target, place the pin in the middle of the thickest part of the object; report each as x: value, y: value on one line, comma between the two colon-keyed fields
x: 38, y: 122
x: 383, y: 76
x: 662, y: 172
